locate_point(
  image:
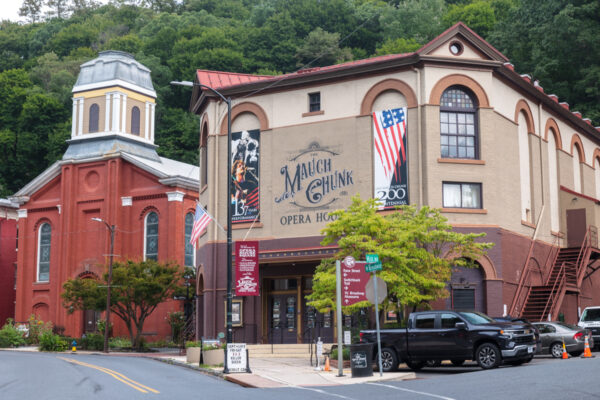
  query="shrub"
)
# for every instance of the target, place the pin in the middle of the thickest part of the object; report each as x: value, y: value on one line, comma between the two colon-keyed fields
x: 101, y: 325
x: 177, y: 322
x: 212, y: 346
x: 162, y: 343
x: 192, y: 343
x: 345, y: 354
x: 52, y: 342
x: 119, y: 343
x: 36, y: 328
x: 92, y: 341
x: 10, y: 336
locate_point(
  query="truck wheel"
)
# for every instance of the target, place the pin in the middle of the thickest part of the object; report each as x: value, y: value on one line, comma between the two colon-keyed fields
x: 488, y: 356
x: 556, y: 350
x: 389, y: 360
x: 457, y: 362
x: 415, y: 365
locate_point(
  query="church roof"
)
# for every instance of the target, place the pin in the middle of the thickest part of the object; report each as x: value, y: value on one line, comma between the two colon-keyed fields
x: 111, y: 68
x: 169, y: 172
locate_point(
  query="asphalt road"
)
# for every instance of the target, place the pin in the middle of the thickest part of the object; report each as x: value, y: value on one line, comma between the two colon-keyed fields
x: 43, y: 376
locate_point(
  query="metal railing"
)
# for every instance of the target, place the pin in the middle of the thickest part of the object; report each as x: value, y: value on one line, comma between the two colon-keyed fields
x: 554, y: 294
x: 590, y: 239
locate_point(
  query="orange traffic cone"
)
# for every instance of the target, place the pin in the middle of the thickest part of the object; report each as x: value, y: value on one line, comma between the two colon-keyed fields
x: 587, y: 353
x: 565, y: 355
x: 327, y: 364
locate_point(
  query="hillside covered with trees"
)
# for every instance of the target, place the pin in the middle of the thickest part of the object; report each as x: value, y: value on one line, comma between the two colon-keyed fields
x: 556, y: 41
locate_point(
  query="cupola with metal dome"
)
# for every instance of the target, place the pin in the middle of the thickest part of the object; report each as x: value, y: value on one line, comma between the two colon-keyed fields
x: 113, y: 96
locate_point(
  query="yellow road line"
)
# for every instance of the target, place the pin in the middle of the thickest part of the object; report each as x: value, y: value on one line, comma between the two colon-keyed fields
x: 117, y: 375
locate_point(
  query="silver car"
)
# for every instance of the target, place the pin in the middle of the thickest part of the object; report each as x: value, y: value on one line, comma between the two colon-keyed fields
x: 552, y: 335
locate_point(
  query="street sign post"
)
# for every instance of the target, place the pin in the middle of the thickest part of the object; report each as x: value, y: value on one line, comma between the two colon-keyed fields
x: 376, y: 266
x: 373, y: 265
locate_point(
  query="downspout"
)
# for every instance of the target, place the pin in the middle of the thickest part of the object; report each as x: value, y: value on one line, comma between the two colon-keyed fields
x: 216, y: 215
x: 419, y: 148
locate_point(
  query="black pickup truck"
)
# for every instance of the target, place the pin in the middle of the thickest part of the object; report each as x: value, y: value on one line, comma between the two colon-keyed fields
x: 433, y: 336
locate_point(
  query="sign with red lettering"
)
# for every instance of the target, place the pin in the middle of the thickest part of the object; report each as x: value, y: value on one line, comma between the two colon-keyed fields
x: 354, y: 280
x: 246, y: 268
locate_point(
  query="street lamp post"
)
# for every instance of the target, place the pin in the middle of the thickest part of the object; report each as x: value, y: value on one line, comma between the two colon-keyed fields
x: 111, y: 229
x: 227, y: 100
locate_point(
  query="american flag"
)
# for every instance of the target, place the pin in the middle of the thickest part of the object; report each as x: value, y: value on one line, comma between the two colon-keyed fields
x: 201, y: 221
x: 390, y: 129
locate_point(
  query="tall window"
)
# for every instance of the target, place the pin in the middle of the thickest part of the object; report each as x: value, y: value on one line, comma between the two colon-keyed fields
x: 44, y: 242
x: 458, y: 124
x: 135, y: 121
x: 189, y: 249
x: 314, y: 102
x: 94, y: 117
x: 151, y: 247
x: 461, y: 195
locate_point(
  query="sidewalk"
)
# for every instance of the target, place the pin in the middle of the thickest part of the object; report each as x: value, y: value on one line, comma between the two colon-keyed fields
x: 266, y: 372
x: 280, y: 372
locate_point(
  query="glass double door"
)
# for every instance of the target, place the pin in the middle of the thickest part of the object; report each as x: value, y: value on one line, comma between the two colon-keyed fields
x: 283, y: 322
x: 283, y: 319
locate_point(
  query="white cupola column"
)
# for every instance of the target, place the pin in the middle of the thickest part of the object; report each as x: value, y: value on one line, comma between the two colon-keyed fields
x: 146, y: 121
x: 124, y: 114
x: 115, y: 112
x: 153, y: 106
x: 80, y: 117
x: 107, y: 114
x: 74, y: 119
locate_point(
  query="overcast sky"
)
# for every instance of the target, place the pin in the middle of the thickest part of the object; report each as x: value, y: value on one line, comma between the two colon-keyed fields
x: 9, y: 9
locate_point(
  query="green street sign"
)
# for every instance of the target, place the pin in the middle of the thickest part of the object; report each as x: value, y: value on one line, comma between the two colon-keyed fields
x: 376, y: 266
x: 372, y: 258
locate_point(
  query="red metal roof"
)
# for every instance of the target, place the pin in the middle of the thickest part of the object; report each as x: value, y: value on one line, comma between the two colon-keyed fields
x: 220, y: 79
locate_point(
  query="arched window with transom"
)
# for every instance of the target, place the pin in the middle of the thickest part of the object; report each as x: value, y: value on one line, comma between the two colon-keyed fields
x: 94, y: 117
x: 189, y: 248
x: 44, y: 246
x: 458, y: 124
x: 151, y: 237
x: 135, y: 120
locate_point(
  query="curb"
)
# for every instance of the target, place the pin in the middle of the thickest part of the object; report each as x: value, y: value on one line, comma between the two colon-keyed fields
x: 207, y: 371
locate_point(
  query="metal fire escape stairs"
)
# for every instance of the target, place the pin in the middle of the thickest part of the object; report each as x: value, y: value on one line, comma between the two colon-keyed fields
x: 568, y: 268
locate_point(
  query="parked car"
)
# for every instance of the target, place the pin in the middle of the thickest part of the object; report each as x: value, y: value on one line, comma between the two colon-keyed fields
x: 554, y: 333
x: 590, y: 319
x: 538, y: 341
x: 432, y: 336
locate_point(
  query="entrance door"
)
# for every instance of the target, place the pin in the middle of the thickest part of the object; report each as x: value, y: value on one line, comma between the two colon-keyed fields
x: 282, y: 311
x: 90, y: 320
x: 317, y: 325
x: 576, y: 227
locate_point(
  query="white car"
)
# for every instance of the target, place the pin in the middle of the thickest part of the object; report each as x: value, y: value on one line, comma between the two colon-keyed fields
x: 590, y: 319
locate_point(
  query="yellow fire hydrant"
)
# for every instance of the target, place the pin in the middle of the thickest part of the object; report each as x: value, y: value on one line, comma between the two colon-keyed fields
x: 74, y: 348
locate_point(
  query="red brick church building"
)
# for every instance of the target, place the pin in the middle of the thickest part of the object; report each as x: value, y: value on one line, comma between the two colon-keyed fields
x: 110, y: 171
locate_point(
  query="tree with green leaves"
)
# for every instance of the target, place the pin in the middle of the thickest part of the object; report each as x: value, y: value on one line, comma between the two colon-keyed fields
x: 417, y: 247
x: 322, y: 48
x: 138, y: 287
x: 32, y: 10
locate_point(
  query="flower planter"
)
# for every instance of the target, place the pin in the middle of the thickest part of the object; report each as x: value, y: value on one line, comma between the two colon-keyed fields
x: 213, y: 357
x: 334, y: 363
x: 192, y: 355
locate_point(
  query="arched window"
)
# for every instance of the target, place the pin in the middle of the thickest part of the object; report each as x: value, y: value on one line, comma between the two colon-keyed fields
x: 94, y: 117
x: 135, y: 121
x: 458, y: 124
x: 577, y: 160
x: 189, y: 248
x: 151, y: 235
x: 44, y: 242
